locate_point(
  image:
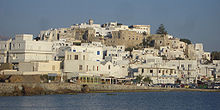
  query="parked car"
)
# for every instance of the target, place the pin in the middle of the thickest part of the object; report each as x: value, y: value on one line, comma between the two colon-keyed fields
x: 217, y: 86
x: 182, y: 86
x: 170, y: 85
x: 186, y: 86
x: 193, y: 86
x: 177, y: 86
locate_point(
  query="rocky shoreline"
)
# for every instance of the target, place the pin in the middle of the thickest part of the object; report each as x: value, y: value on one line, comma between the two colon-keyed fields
x: 28, y: 89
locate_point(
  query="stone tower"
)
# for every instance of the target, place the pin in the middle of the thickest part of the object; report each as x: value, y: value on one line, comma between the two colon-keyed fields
x: 91, y: 22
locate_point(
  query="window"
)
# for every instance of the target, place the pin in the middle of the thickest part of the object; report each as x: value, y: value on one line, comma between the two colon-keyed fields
x: 151, y: 71
x: 53, y: 67
x: 142, y: 70
x: 87, y: 68
x: 97, y: 68
x: 84, y: 57
x: 93, y: 68
x: 68, y: 57
x: 76, y: 57
x: 182, y: 65
x: 98, y: 52
x: 171, y: 71
x: 80, y: 67
x: 109, y: 67
x: 74, y: 50
x: 190, y: 65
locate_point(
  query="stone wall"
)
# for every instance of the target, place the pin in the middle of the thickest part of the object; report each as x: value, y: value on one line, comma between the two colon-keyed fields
x: 126, y: 38
x: 82, y: 34
x: 17, y: 89
x: 157, y: 40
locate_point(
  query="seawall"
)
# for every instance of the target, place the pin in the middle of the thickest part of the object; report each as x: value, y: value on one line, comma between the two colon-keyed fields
x: 20, y: 89
x: 23, y: 89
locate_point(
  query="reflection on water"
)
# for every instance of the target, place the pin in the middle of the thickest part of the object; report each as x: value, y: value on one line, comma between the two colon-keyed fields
x: 121, y: 101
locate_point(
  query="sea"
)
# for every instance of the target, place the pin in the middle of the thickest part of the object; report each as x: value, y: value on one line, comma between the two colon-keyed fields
x: 115, y: 101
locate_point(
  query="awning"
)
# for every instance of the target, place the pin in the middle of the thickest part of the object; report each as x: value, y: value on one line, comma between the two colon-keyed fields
x: 52, y: 74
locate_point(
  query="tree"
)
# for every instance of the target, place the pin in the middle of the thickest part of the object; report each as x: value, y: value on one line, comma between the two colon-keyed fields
x: 139, y: 78
x: 161, y: 30
x: 129, y: 49
x: 147, y: 79
x: 144, y: 42
x: 186, y: 41
x: 119, y: 24
x: 215, y: 55
x: 164, y: 57
x: 179, y: 58
x: 144, y: 33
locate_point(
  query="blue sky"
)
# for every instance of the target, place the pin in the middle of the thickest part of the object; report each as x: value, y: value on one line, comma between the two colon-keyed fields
x: 197, y: 20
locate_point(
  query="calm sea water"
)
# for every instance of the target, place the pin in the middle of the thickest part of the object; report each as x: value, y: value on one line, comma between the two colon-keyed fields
x: 119, y: 101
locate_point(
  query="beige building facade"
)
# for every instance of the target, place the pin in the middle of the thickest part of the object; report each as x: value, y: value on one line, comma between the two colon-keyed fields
x: 126, y: 38
x: 40, y: 68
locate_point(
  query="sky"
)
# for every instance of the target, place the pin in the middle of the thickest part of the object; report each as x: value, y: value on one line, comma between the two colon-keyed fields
x: 197, y: 20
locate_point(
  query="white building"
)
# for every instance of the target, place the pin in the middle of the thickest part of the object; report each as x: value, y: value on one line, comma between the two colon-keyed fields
x: 206, y: 72
x: 25, y: 49
x: 171, y: 53
x: 158, y: 73
x: 81, y: 64
x: 4, y: 48
x: 141, y: 29
x: 206, y: 55
x: 117, y: 55
x: 59, y: 47
x: 146, y: 53
x: 186, y: 69
x: 94, y: 50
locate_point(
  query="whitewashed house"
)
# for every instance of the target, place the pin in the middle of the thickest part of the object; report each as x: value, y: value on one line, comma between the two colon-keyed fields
x: 24, y: 49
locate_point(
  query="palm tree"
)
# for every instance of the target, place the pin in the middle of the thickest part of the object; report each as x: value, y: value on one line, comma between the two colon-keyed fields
x: 139, y: 78
x: 147, y: 79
